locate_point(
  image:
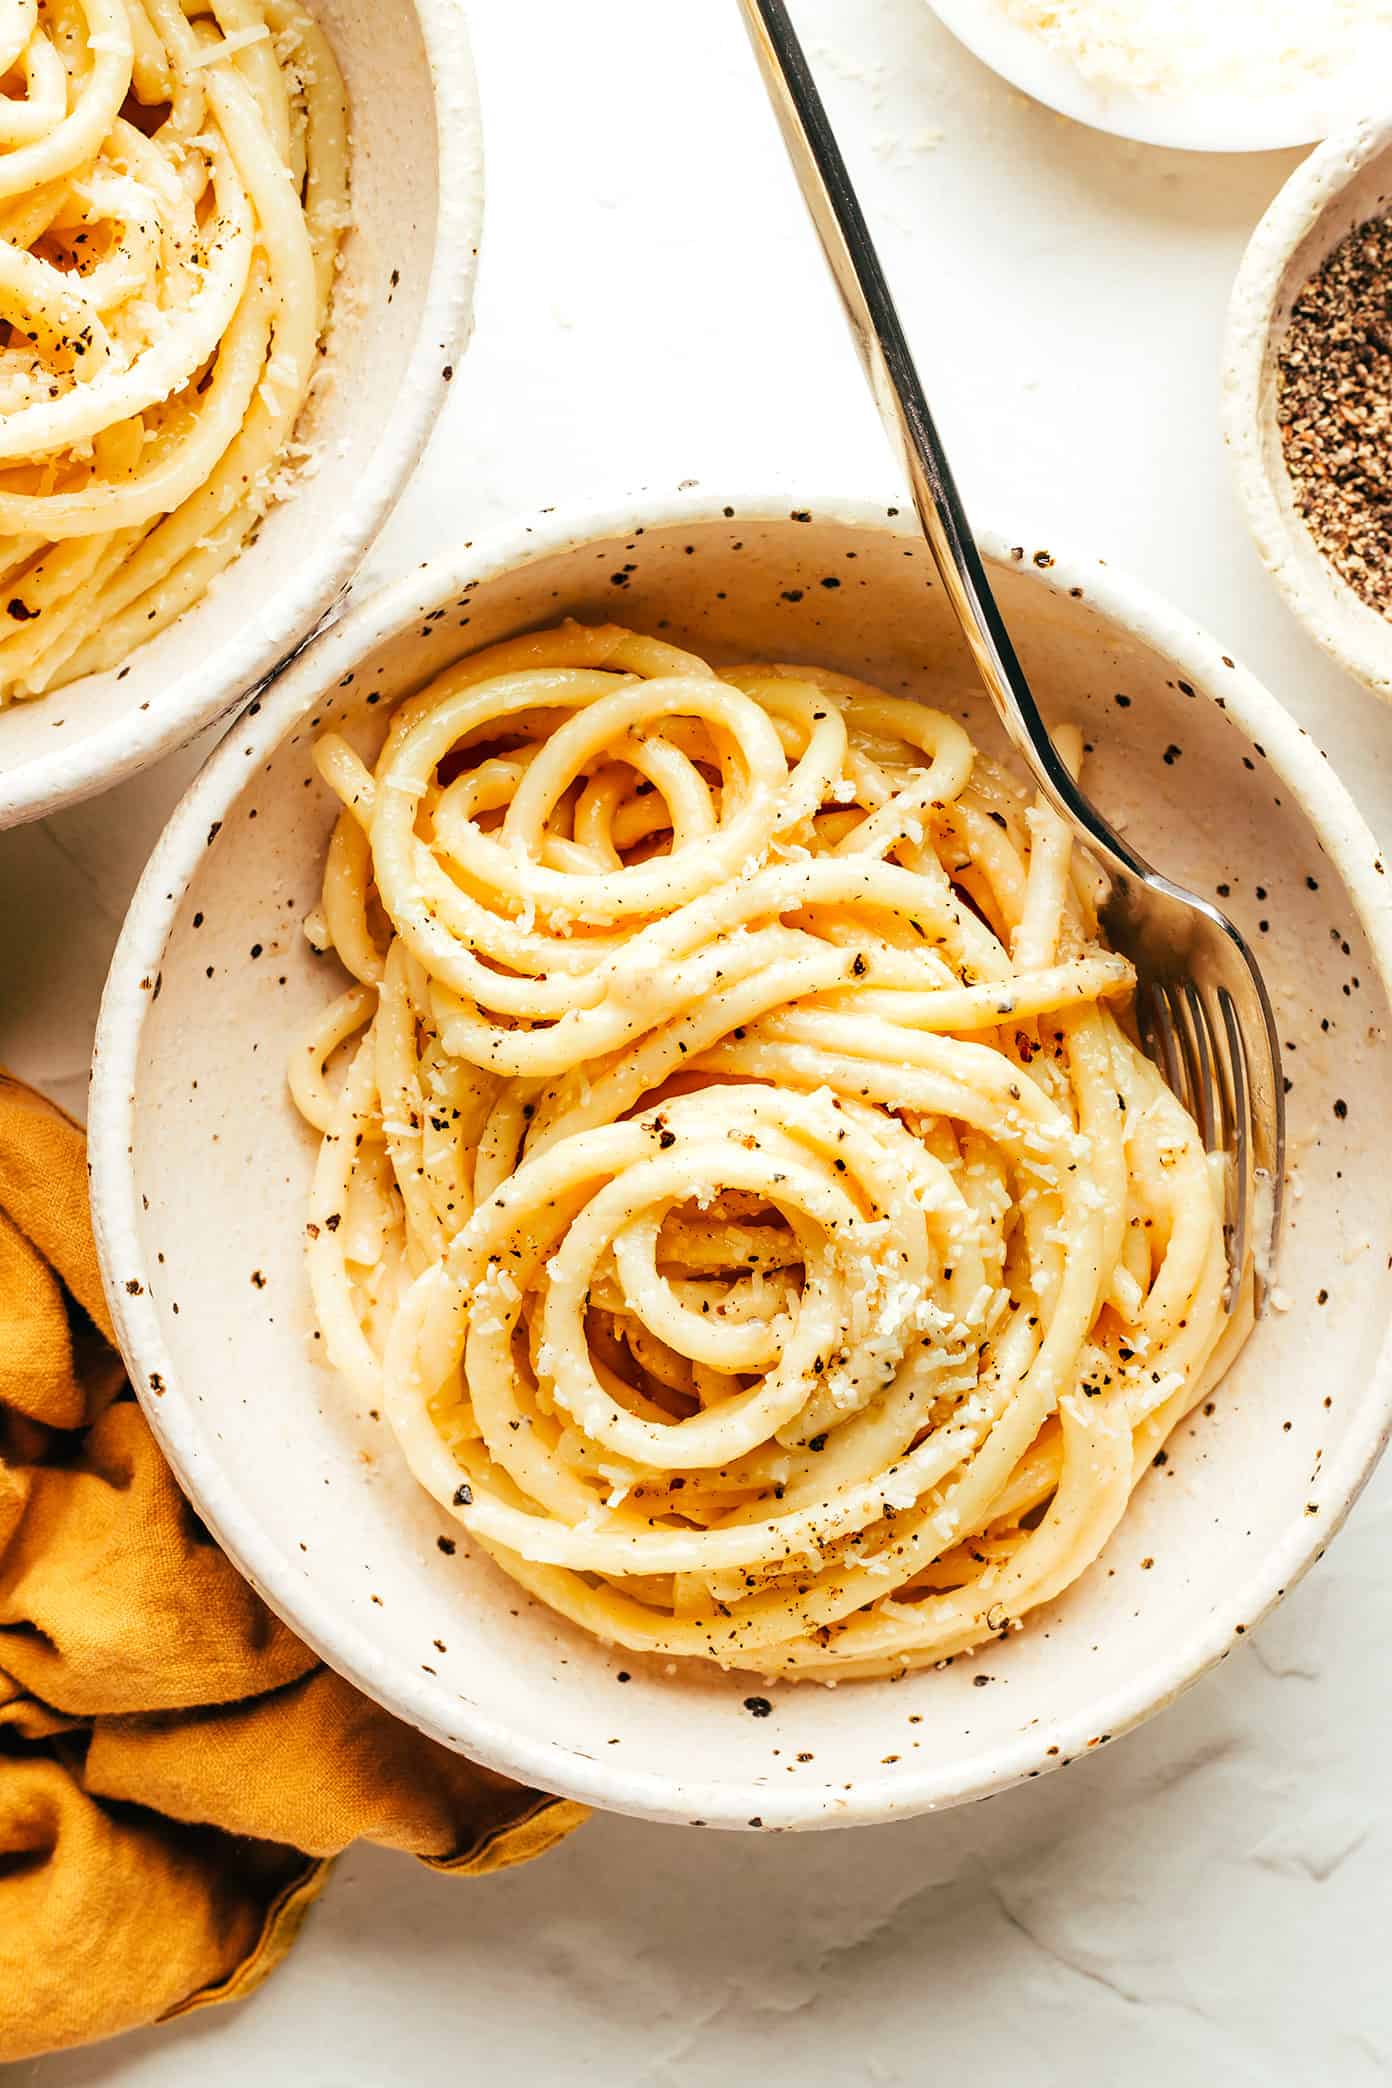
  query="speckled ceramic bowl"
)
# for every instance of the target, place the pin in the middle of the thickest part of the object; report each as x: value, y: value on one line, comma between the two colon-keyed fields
x: 403, y: 308
x: 1347, y: 181
x: 201, y: 1171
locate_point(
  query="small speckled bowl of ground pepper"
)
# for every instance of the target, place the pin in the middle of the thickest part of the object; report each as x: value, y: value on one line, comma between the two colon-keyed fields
x: 1307, y: 397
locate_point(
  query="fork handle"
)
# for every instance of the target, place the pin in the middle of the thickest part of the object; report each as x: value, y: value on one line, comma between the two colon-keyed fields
x: 840, y: 222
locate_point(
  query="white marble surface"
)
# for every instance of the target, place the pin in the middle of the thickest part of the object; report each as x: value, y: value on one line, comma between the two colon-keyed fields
x: 1210, y: 1895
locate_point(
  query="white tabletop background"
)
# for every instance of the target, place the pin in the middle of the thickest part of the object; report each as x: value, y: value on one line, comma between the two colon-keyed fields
x: 1210, y: 1896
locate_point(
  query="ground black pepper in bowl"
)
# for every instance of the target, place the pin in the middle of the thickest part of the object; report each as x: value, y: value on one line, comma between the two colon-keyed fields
x: 1334, y: 409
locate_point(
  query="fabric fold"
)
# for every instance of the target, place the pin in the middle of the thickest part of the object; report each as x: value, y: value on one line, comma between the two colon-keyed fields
x: 177, y: 1771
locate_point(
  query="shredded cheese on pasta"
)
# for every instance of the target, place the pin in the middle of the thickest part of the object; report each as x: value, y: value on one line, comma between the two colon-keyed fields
x: 173, y: 188
x: 737, y: 1185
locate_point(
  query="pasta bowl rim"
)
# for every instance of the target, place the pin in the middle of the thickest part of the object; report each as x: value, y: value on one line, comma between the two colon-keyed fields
x: 1352, y: 852
x: 1288, y: 244
x: 235, y: 670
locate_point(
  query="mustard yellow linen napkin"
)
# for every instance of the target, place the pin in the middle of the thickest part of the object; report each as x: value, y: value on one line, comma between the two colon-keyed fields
x: 176, y: 1769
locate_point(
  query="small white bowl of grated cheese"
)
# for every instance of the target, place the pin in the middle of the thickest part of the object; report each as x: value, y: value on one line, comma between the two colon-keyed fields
x: 1239, y: 76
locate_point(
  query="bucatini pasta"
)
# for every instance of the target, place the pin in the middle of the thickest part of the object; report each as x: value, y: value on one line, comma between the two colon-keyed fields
x: 738, y: 1187
x: 173, y: 187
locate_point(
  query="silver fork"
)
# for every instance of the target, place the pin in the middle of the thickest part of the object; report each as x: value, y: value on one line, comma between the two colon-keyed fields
x: 1202, y: 1009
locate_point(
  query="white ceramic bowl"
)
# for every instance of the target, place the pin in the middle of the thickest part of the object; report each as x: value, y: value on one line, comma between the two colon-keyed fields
x: 1346, y: 181
x: 403, y: 307
x: 1190, y: 116
x: 200, y: 1173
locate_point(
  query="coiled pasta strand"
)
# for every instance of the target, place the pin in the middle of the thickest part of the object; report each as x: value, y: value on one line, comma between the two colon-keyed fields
x: 173, y: 190
x: 738, y: 1185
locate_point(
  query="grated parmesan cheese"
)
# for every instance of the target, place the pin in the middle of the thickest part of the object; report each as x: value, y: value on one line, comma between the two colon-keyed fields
x: 1255, y: 46
x: 237, y: 40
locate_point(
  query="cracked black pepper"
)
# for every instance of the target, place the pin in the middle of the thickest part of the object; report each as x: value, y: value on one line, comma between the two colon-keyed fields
x: 1334, y: 409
